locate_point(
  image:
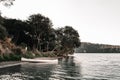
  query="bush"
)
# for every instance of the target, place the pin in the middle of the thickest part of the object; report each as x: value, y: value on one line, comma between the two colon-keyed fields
x: 1, y: 58
x: 39, y: 55
x: 48, y: 54
x: 14, y: 57
x: 10, y: 57
x: 6, y: 57
x: 17, y: 51
x: 3, y: 32
x: 28, y: 55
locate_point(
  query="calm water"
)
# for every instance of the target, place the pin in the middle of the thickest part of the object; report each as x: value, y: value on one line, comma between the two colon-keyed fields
x: 79, y: 67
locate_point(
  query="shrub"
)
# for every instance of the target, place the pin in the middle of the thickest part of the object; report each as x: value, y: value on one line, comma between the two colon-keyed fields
x: 3, y: 32
x: 28, y: 55
x: 14, y: 57
x: 17, y: 51
x: 1, y: 58
x: 39, y: 55
x: 6, y: 57
x: 48, y: 54
x: 10, y: 57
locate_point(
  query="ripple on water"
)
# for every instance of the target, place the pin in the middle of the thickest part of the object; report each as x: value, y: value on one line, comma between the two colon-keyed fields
x: 80, y: 67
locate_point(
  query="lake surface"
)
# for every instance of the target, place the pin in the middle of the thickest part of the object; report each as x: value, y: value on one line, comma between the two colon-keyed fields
x: 77, y: 67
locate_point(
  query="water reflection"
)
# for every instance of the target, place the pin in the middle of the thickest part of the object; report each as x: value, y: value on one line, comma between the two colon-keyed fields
x: 66, y: 69
x: 10, y: 70
x: 80, y: 67
x: 36, y: 71
x: 11, y: 73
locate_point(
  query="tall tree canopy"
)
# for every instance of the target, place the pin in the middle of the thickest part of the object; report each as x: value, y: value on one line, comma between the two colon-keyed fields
x: 3, y: 32
x: 37, y: 33
x: 7, y: 2
x: 39, y: 23
x: 41, y: 27
x: 68, y: 38
x: 18, y: 30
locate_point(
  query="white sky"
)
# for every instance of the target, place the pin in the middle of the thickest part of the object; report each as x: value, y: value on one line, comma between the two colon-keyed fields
x: 97, y: 21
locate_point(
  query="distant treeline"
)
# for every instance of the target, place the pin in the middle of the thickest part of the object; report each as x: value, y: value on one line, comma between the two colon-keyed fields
x: 97, y: 48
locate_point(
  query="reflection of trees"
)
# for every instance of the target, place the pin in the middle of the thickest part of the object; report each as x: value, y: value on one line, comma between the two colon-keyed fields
x: 10, y: 70
x: 10, y: 73
x: 67, y: 69
x: 73, y: 70
x: 34, y: 71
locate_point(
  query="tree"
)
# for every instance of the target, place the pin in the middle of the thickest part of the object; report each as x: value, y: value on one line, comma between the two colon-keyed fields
x: 3, y: 32
x: 68, y: 39
x: 7, y: 2
x: 41, y: 27
x: 18, y: 30
x: 36, y: 32
x: 1, y: 19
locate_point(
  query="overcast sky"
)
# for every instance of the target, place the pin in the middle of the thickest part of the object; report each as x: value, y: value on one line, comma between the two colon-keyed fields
x: 96, y: 21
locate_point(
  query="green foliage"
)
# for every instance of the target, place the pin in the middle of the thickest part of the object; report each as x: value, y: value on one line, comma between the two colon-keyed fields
x: 68, y: 39
x: 10, y: 57
x: 48, y: 55
x: 7, y: 2
x: 39, y: 55
x: 42, y: 54
x: 40, y: 30
x: 6, y: 57
x: 1, y: 58
x: 17, y: 51
x: 3, y: 32
x: 36, y: 33
x: 18, y: 30
x: 14, y: 57
x: 23, y: 45
x: 28, y: 55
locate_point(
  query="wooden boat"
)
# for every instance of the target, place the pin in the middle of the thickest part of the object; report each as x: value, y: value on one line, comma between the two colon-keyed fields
x: 40, y: 60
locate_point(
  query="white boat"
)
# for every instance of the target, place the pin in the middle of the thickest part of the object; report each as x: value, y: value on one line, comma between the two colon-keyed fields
x: 40, y: 60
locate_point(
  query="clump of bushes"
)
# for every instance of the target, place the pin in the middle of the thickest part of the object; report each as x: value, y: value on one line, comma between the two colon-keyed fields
x: 28, y: 54
x: 1, y: 58
x: 8, y: 51
x: 46, y: 54
x: 10, y: 57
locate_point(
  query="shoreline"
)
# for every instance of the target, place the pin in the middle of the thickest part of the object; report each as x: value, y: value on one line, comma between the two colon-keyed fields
x: 6, y: 64
x: 10, y: 64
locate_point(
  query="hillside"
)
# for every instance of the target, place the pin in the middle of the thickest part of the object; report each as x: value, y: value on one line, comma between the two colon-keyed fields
x: 97, y: 48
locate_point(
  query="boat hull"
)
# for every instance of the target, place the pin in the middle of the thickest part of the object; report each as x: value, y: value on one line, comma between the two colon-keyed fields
x: 40, y: 60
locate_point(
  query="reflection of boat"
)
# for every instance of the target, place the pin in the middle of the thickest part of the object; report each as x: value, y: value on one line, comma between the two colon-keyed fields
x: 40, y: 60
